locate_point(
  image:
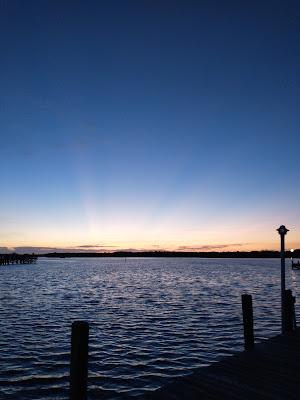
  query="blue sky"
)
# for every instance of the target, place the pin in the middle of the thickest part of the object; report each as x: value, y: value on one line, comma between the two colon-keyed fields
x: 142, y: 124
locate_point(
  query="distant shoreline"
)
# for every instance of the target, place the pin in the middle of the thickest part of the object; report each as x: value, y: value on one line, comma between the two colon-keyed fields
x: 177, y: 254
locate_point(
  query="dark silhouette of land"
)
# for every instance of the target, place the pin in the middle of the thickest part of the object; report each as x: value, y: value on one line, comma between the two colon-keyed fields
x: 211, y: 254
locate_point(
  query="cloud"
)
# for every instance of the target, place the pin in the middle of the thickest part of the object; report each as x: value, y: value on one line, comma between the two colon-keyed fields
x: 209, y: 247
x: 133, y: 250
x: 43, y: 249
x: 5, y: 250
x: 93, y: 246
x: 85, y: 248
x: 29, y: 249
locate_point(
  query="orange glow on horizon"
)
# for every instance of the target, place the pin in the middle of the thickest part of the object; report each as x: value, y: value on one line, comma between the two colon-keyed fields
x: 146, y: 246
x: 124, y: 232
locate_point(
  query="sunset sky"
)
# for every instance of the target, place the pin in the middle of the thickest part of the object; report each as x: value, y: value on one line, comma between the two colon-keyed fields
x: 149, y: 124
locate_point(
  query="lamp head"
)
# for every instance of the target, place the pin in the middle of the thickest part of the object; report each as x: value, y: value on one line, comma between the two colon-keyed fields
x: 282, y: 230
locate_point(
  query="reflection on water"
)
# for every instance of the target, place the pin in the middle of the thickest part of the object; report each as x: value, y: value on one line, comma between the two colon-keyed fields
x: 151, y: 320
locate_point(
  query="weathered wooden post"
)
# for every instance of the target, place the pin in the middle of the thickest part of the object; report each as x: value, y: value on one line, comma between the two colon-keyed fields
x: 282, y: 230
x: 294, y: 313
x: 248, y: 321
x: 79, y: 360
x: 290, y: 320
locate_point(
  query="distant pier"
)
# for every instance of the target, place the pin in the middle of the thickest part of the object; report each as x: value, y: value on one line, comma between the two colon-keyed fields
x: 295, y: 265
x: 9, y: 259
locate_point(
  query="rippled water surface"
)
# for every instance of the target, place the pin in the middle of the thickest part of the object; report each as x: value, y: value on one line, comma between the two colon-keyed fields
x: 150, y: 320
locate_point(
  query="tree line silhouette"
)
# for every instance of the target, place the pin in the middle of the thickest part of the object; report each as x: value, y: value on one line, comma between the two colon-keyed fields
x: 200, y: 254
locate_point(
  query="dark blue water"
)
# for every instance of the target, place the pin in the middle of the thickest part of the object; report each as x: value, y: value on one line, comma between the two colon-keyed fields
x: 150, y: 320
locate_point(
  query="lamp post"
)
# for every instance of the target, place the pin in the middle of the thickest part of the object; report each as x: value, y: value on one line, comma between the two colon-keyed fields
x: 282, y: 230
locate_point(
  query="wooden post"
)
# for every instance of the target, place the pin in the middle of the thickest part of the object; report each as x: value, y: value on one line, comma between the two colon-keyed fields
x: 289, y: 312
x: 79, y: 360
x: 294, y: 313
x: 248, y: 321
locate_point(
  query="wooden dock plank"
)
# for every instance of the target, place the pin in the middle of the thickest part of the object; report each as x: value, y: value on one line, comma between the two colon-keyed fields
x: 269, y: 372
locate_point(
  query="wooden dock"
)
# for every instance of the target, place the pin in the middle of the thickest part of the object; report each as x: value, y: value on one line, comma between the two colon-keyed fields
x: 271, y: 371
x: 9, y: 259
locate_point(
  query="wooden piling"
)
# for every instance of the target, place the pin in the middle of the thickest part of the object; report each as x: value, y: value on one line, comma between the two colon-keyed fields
x: 79, y: 360
x: 248, y: 321
x: 289, y: 312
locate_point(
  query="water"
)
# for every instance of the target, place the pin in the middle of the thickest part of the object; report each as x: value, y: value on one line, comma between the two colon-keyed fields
x: 150, y: 320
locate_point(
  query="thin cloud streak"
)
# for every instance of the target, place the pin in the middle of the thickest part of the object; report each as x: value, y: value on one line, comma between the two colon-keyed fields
x: 113, y: 248
x: 209, y: 247
x: 94, y: 246
x: 43, y: 250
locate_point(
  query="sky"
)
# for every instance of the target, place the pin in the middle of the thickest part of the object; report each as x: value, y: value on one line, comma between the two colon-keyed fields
x: 149, y: 124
